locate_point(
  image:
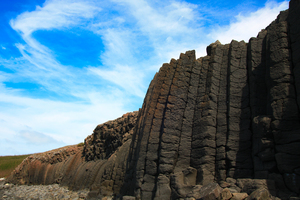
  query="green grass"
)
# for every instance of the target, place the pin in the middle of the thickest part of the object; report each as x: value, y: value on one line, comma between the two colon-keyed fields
x: 9, y: 163
x: 81, y: 144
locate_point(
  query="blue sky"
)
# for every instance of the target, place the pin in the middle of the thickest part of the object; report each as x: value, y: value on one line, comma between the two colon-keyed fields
x: 66, y: 66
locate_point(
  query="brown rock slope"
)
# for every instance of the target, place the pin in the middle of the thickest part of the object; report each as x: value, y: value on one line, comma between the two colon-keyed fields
x: 231, y: 117
x: 99, y: 165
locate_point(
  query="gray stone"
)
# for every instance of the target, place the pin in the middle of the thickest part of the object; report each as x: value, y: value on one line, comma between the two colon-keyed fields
x: 259, y: 194
x: 208, y: 192
x: 239, y: 196
x: 225, y: 194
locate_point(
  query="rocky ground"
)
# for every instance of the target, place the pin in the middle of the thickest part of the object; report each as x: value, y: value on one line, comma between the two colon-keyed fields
x: 252, y: 190
x: 54, y: 191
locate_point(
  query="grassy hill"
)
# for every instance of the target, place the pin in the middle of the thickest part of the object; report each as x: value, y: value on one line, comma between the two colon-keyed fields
x: 9, y: 163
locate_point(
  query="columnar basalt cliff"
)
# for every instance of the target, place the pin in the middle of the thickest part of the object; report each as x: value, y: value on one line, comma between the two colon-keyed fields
x: 231, y: 117
x: 231, y: 114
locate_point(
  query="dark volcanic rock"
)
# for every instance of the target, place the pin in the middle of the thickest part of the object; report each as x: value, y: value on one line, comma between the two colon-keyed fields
x: 231, y: 117
x: 231, y: 114
x: 109, y: 136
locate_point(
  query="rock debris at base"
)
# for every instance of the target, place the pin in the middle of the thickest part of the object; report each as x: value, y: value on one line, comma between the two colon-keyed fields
x: 11, y: 191
x: 210, y: 191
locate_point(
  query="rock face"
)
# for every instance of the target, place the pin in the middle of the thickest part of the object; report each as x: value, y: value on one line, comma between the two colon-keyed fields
x: 231, y: 114
x: 109, y: 136
x: 231, y: 117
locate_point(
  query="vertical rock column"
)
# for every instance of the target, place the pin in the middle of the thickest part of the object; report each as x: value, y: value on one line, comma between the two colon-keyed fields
x: 210, y: 116
x: 204, y: 130
x: 222, y: 119
x: 257, y: 74
x: 149, y: 179
x: 161, y: 144
x: 239, y: 160
x: 184, y: 151
x: 282, y: 100
x: 142, y: 165
x: 175, y: 138
x: 294, y: 36
x: 263, y: 143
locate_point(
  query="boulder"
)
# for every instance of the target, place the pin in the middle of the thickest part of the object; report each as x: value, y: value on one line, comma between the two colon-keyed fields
x: 225, y: 194
x: 239, y: 196
x: 211, y: 191
x: 260, y: 194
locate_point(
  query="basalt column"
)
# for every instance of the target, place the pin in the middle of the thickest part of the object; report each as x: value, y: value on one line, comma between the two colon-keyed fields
x: 194, y: 125
x: 230, y: 114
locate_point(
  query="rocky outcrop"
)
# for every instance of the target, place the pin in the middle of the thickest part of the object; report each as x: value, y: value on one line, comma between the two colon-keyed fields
x: 227, y: 120
x: 38, y: 167
x: 99, y: 166
x: 109, y: 136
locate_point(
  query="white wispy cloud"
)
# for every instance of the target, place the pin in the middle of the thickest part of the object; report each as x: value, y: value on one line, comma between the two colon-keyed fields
x: 171, y: 18
x: 68, y: 123
x: 125, y: 77
x: 170, y: 27
x: 42, y: 66
x: 156, y: 34
x: 54, y: 14
x: 245, y: 26
x: 54, y: 119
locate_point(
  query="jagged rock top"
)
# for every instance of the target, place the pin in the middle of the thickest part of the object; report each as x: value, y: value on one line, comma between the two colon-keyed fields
x: 107, y: 137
